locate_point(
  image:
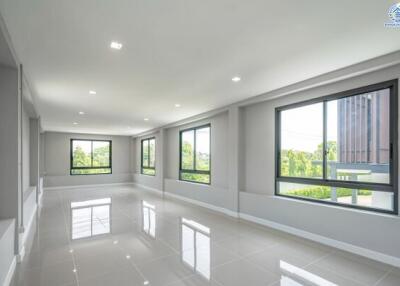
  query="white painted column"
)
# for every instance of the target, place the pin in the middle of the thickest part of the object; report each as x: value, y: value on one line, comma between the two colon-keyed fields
x: 10, y: 142
x: 233, y: 155
x: 34, y: 148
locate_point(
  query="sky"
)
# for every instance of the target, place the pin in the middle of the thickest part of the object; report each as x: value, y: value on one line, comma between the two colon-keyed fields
x: 202, y: 140
x: 302, y: 127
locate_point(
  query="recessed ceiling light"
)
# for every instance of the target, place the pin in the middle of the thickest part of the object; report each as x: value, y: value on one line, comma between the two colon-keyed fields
x: 81, y: 113
x: 128, y: 257
x: 75, y: 123
x: 146, y: 282
x: 177, y: 105
x: 115, y: 241
x: 236, y: 79
x: 146, y: 119
x: 116, y: 45
x: 92, y: 92
x: 74, y: 270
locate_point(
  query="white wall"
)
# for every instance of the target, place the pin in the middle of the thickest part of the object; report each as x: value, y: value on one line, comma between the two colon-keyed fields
x: 57, y: 160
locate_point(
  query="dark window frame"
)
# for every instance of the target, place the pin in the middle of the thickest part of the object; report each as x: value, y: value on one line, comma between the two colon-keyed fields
x: 141, y: 156
x: 193, y: 171
x: 391, y: 187
x: 90, y: 168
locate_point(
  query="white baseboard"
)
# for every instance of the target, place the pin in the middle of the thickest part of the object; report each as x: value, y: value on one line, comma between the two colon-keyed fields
x: 374, y: 255
x: 27, y: 228
x: 20, y: 256
x: 191, y: 201
x: 85, y: 186
x: 10, y: 273
x: 148, y: 188
x: 204, y: 205
x: 40, y: 199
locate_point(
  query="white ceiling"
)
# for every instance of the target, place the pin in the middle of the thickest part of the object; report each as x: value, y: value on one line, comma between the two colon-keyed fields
x: 180, y: 51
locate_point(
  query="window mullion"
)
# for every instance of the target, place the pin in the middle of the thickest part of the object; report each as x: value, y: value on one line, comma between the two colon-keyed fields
x: 91, y: 153
x: 148, y: 153
x: 324, y: 143
x: 194, y: 150
x: 141, y: 154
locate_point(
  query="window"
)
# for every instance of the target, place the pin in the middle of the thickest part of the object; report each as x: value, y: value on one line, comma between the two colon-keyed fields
x: 340, y: 149
x: 148, y: 156
x: 195, y: 155
x: 90, y: 157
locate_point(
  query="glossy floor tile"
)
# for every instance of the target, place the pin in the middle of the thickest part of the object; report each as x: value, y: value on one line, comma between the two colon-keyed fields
x: 129, y: 236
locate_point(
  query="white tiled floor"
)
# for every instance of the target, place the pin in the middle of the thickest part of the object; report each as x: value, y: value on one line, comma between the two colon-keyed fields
x: 126, y: 236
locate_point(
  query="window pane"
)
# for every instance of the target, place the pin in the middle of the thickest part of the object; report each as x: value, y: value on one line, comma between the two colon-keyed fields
x: 81, y: 153
x: 147, y: 171
x: 101, y: 154
x: 358, y: 138
x: 302, y: 141
x: 199, y: 178
x: 91, y: 171
x: 365, y: 198
x: 187, y: 152
x: 145, y: 153
x: 81, y: 223
x: 203, y: 257
x: 152, y: 160
x: 101, y: 220
x: 187, y: 245
x: 203, y: 149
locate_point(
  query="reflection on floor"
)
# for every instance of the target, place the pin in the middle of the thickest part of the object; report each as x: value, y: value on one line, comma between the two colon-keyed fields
x: 90, y: 218
x: 128, y: 236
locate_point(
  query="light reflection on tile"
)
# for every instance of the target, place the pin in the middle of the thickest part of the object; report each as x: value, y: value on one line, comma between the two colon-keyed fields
x: 149, y: 219
x: 301, y: 275
x: 195, y: 246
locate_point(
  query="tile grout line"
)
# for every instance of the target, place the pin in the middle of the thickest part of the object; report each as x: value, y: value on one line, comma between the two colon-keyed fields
x: 69, y: 241
x: 383, y: 277
x: 340, y: 275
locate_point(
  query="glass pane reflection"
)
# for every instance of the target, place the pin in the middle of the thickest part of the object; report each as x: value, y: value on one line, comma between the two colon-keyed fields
x: 90, y: 218
x: 195, y: 246
x: 293, y: 276
x: 149, y: 219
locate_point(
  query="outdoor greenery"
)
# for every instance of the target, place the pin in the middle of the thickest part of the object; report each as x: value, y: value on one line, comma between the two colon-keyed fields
x: 90, y: 171
x: 309, y: 165
x: 147, y: 171
x: 305, y: 164
x: 322, y: 192
x: 200, y: 178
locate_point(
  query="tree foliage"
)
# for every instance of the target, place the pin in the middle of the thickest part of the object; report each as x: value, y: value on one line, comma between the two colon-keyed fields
x: 306, y: 164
